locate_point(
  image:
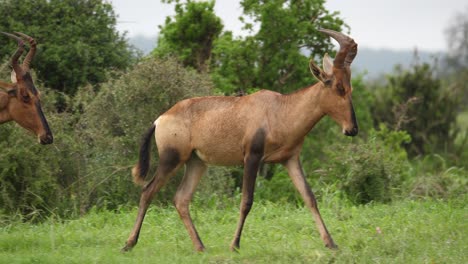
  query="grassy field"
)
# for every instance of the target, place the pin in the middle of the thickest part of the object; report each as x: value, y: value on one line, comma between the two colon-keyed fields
x: 410, y: 232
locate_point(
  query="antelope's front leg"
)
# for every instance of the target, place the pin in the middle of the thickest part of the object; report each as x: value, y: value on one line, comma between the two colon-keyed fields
x: 252, y: 162
x: 297, y: 176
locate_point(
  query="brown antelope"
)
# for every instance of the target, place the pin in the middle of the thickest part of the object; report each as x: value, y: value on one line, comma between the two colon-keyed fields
x: 20, y: 100
x: 262, y: 127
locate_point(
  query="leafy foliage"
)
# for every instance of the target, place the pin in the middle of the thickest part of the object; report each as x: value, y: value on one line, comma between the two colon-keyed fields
x: 234, y: 64
x: 416, y: 101
x: 288, y: 30
x: 276, y: 56
x: 77, y: 40
x: 26, y: 178
x: 189, y: 36
x: 369, y: 171
x: 132, y: 102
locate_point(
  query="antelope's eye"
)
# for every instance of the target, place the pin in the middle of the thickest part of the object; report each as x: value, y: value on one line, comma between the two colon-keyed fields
x: 26, y: 98
x: 340, y: 89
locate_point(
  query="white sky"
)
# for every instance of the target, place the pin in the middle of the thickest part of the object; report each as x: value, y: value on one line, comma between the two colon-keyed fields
x: 394, y: 24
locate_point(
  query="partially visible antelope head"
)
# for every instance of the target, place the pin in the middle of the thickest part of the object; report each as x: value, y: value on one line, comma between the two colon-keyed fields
x: 336, y: 75
x: 20, y: 100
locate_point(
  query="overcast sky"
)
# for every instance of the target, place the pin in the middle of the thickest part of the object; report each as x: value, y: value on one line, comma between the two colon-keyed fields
x: 394, y: 24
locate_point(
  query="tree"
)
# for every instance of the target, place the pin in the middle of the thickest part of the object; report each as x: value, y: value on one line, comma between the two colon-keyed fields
x: 287, y: 37
x: 457, y: 39
x: 77, y: 39
x: 416, y: 101
x: 457, y: 56
x: 190, y: 34
x: 234, y: 66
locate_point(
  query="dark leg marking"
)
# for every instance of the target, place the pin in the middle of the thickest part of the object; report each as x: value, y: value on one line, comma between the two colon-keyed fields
x: 251, y: 164
x: 169, y: 161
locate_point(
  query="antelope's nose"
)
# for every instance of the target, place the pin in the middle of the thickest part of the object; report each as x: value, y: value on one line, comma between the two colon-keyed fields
x: 46, y: 139
x: 352, y: 132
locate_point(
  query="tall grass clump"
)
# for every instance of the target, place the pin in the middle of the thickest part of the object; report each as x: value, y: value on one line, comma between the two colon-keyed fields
x: 434, y: 177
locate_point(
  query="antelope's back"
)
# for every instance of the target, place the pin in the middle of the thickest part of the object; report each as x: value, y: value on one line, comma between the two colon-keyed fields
x: 215, y: 127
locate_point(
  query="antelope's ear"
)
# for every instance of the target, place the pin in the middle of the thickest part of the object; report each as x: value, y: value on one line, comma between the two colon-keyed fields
x: 13, y: 77
x: 319, y: 73
x: 327, y: 64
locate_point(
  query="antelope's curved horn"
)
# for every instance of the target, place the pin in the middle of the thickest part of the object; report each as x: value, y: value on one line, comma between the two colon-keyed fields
x: 348, y: 48
x: 31, y: 52
x: 12, y: 36
x: 14, y: 59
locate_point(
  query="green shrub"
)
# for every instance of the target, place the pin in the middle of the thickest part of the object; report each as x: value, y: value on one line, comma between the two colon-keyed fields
x: 417, y: 101
x: 114, y: 119
x: 372, y: 170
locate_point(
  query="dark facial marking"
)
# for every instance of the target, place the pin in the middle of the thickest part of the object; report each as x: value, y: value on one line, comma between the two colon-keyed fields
x: 340, y: 89
x: 49, y: 137
x: 29, y: 83
x: 353, y: 115
x: 355, y: 129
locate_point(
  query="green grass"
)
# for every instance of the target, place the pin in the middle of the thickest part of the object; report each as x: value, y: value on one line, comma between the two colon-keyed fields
x: 411, y: 232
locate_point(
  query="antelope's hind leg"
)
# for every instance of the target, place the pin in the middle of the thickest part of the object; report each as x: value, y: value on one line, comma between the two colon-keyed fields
x: 169, y: 163
x: 193, y: 171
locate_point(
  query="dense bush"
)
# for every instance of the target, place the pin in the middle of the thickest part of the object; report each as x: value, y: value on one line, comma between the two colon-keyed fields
x: 114, y: 119
x: 416, y: 101
x: 372, y: 170
x: 27, y: 184
x: 96, y: 142
x: 77, y: 40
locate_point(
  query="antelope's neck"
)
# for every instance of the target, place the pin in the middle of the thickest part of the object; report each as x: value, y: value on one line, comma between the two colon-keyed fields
x: 304, y: 108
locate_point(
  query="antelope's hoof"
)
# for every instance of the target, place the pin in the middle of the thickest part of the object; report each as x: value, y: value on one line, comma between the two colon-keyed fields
x: 126, y: 248
x: 332, y: 246
x: 235, y: 249
x: 200, y: 249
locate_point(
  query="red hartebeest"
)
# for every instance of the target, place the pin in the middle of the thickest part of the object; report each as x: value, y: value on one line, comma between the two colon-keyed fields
x: 262, y: 127
x: 20, y: 100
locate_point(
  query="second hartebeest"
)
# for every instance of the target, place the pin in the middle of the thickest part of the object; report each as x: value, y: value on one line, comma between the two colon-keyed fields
x: 264, y: 127
x: 20, y: 100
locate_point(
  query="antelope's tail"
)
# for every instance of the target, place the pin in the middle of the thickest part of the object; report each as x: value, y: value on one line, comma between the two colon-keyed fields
x: 140, y: 170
